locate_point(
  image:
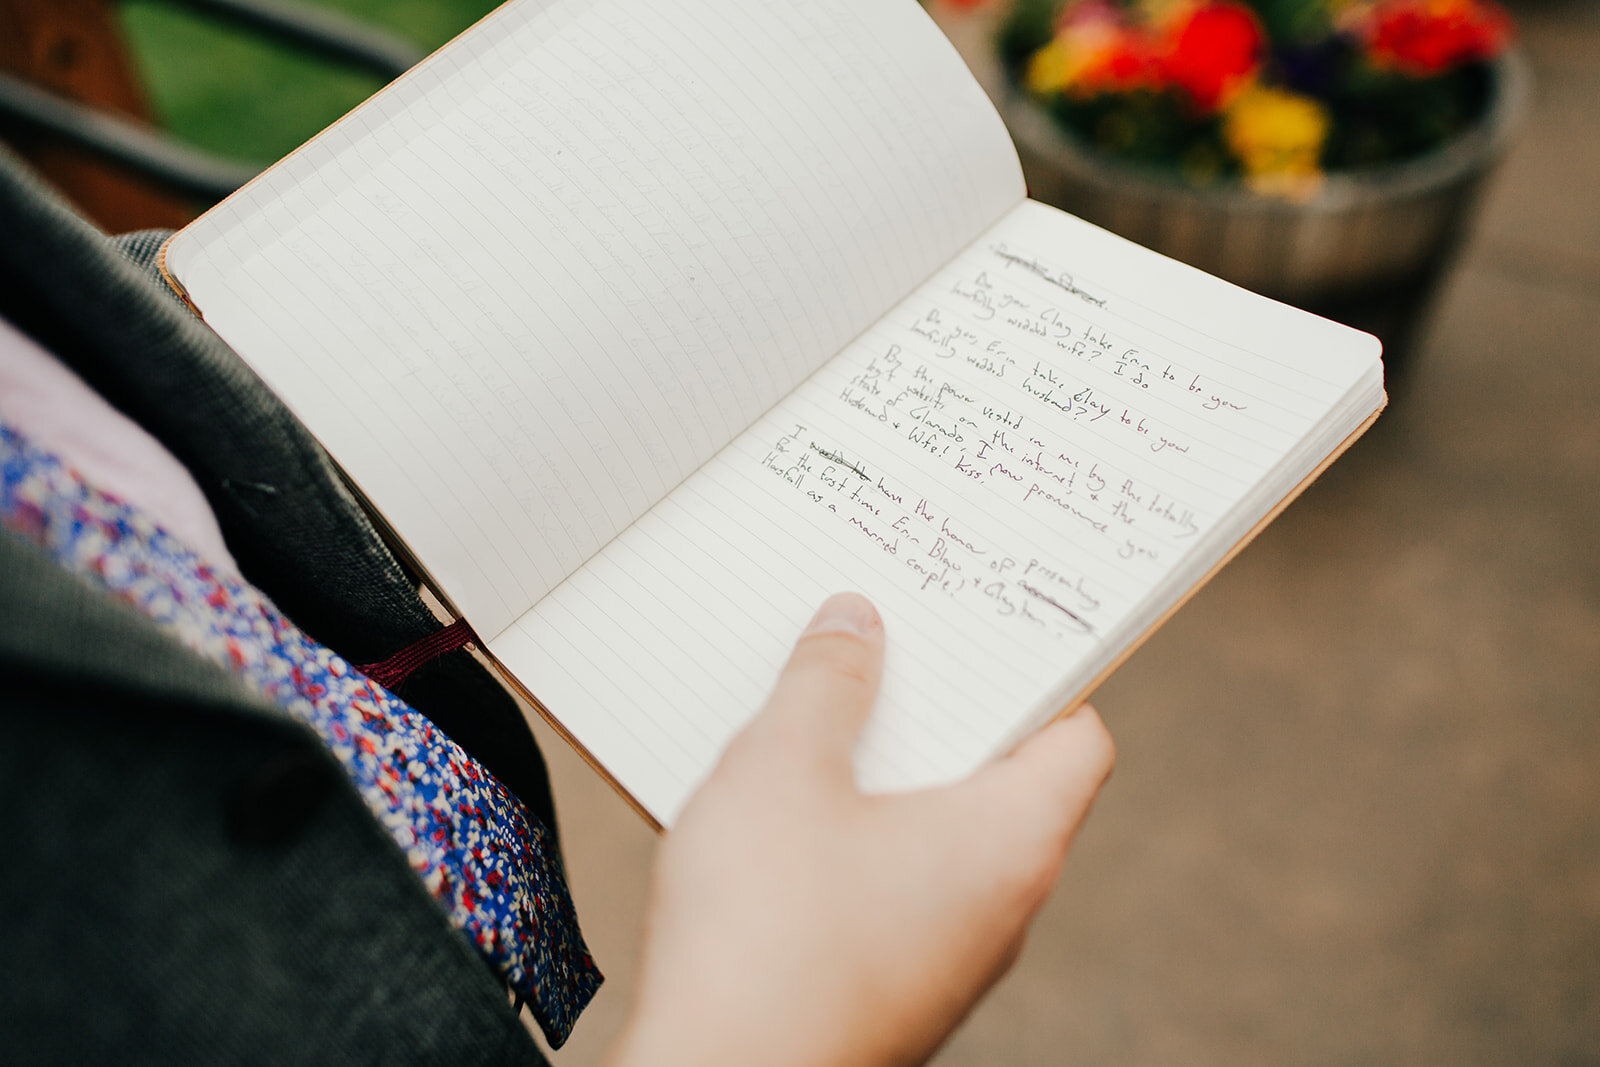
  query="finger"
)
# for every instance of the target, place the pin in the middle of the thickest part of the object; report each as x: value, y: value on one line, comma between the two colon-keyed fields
x: 828, y: 685
x: 1053, y: 777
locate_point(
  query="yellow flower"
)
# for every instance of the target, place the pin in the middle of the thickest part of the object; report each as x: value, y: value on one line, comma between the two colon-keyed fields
x: 1051, y: 67
x: 1091, y: 53
x: 1277, y: 138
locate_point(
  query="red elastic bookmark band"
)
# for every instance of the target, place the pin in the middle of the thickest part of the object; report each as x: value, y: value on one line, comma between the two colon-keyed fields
x: 390, y: 672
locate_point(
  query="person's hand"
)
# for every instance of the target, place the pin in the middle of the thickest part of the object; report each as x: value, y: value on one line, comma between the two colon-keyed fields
x: 794, y: 920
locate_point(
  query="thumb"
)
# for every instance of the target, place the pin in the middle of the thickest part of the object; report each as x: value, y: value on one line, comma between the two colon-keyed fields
x: 1052, y: 778
x: 827, y: 687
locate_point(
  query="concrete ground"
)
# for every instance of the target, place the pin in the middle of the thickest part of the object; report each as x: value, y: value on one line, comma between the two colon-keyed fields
x: 1356, y: 815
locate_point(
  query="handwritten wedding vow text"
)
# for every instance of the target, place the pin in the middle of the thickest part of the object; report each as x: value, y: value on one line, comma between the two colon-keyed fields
x: 1007, y: 440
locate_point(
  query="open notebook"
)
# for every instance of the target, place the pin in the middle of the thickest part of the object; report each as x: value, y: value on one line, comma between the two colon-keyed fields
x: 646, y: 324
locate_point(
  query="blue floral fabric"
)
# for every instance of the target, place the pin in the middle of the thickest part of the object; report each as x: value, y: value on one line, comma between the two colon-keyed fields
x: 467, y: 837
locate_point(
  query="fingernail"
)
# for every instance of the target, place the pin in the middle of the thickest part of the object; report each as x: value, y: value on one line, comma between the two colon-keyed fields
x: 849, y: 613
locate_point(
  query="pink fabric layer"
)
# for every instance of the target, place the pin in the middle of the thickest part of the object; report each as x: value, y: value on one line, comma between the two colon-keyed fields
x: 62, y: 414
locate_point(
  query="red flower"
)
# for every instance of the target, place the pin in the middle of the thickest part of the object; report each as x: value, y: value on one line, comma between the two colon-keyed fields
x: 1125, y: 64
x: 1094, y: 51
x: 1212, y: 49
x: 1427, y: 37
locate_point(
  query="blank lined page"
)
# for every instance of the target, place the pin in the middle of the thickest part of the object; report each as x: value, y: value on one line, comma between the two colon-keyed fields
x: 1022, y: 464
x: 528, y: 289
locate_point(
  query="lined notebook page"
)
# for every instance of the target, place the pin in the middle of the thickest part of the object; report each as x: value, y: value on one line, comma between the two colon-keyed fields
x: 1021, y: 464
x: 527, y: 290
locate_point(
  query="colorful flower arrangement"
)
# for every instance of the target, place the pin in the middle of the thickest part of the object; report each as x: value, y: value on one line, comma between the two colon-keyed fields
x: 1275, y: 93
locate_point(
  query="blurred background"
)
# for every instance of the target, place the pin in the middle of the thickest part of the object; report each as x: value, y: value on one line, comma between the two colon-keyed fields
x: 1356, y: 815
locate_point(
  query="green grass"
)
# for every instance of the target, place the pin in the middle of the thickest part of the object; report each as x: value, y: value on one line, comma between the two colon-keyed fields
x: 240, y: 97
